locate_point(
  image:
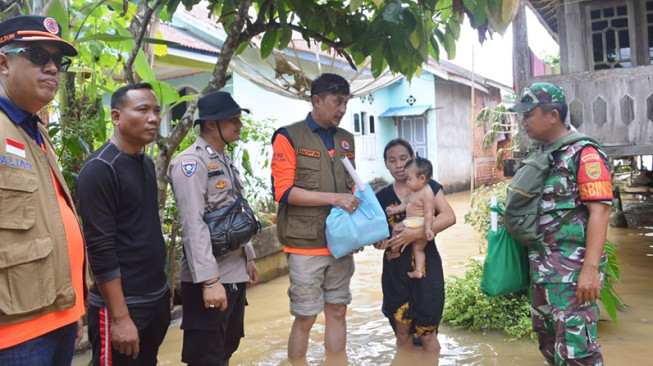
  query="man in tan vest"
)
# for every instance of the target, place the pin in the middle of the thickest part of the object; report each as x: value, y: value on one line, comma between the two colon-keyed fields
x: 308, y: 180
x: 42, y: 288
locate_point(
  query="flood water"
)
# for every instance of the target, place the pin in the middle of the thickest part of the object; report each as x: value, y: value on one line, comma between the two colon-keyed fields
x: 370, y: 338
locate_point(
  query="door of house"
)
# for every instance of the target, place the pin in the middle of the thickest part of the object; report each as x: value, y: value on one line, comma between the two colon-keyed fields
x: 365, y: 135
x: 413, y: 130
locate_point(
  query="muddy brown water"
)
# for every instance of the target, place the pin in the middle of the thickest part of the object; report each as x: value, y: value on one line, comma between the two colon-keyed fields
x: 370, y: 339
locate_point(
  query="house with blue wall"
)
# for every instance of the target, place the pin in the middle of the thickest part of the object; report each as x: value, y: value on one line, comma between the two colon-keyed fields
x: 432, y: 111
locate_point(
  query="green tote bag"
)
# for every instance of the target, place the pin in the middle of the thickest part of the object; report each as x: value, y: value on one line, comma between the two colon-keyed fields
x: 506, y: 268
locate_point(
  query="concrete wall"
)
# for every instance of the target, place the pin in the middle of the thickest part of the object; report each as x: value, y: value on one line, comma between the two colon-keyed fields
x: 270, y: 258
x: 454, y: 137
x: 614, y: 106
x: 453, y: 144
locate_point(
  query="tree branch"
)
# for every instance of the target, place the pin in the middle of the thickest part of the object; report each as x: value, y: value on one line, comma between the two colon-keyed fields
x: 260, y: 19
x: 338, y: 46
x: 88, y: 15
x: 145, y: 22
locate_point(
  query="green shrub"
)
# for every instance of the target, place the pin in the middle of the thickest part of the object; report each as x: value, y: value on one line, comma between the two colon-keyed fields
x: 466, y: 306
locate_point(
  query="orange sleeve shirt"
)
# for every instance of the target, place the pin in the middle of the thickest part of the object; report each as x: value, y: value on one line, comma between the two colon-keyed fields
x: 593, y: 177
x: 283, y: 166
x: 14, y: 334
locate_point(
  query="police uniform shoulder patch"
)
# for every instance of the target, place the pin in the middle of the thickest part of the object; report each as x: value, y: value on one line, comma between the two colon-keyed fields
x: 345, y: 144
x: 188, y: 167
x: 211, y: 151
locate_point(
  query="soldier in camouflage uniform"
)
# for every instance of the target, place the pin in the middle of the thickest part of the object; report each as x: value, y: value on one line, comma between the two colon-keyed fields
x: 568, y: 267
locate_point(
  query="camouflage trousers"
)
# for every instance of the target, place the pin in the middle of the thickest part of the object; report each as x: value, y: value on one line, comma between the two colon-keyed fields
x: 566, y: 330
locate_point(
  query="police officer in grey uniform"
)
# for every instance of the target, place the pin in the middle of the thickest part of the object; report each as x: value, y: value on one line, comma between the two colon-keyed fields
x: 203, y: 179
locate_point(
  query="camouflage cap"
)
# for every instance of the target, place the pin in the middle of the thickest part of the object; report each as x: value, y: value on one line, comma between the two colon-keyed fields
x: 537, y: 94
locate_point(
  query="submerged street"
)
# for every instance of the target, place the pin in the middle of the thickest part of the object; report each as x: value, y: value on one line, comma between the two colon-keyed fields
x: 370, y: 339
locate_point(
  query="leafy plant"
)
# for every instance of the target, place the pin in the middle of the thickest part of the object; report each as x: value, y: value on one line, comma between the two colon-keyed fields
x: 609, y: 296
x: 551, y: 60
x: 256, y: 137
x: 466, y: 306
x: 500, y: 121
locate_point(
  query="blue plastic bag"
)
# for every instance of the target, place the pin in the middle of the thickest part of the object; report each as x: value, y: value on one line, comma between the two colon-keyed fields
x: 347, y: 232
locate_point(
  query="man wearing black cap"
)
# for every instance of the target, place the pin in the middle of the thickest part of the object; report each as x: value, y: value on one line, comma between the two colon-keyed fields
x: 129, y: 306
x: 42, y: 287
x: 308, y: 179
x: 203, y: 179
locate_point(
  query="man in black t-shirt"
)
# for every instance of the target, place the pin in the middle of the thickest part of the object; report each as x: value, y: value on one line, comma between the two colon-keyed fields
x: 129, y: 310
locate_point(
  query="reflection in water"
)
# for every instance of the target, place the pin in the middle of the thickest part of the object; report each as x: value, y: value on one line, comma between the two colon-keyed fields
x: 371, y: 342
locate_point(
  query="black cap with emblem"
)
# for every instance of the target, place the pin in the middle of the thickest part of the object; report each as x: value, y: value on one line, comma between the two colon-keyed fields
x: 34, y: 28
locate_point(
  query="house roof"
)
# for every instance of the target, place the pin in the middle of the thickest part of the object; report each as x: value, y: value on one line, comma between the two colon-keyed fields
x: 185, y: 40
x: 449, y: 71
x: 546, y: 12
x: 410, y: 110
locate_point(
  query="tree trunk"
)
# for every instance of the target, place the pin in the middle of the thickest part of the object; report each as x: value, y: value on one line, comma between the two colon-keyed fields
x: 142, y: 23
x: 521, y: 63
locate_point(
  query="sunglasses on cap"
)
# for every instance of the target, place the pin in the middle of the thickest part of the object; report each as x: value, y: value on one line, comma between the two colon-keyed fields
x: 40, y: 57
x: 337, y: 88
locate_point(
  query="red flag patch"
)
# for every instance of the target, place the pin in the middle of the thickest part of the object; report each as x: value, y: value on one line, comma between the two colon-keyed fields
x: 15, y: 147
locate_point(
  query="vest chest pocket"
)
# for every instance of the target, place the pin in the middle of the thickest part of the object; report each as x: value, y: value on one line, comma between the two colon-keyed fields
x: 26, y: 275
x: 307, y: 174
x: 17, y: 199
x: 302, y: 227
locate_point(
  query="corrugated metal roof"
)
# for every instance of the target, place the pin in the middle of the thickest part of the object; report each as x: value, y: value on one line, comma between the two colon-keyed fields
x: 185, y: 40
x: 411, y: 110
